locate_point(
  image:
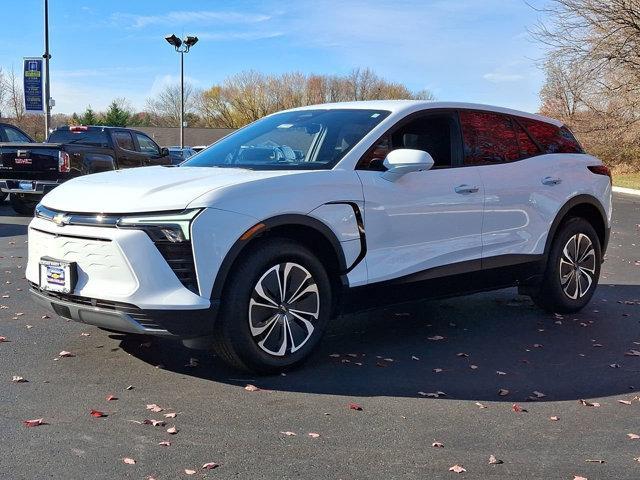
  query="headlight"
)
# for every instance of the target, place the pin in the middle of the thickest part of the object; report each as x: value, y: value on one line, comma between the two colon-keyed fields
x: 172, y: 227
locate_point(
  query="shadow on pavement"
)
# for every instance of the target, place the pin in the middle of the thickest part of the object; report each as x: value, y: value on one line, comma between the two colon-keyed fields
x: 565, y: 358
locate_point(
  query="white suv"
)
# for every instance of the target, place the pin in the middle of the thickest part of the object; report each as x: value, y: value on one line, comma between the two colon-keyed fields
x: 253, y: 244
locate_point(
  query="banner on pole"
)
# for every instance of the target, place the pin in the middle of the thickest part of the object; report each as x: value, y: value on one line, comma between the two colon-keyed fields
x: 33, y: 78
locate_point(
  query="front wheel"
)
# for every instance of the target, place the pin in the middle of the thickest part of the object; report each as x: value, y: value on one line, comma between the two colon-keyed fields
x: 23, y: 204
x: 275, y: 307
x: 573, y: 268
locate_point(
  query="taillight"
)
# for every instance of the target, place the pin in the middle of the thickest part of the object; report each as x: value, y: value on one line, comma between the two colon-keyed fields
x: 78, y: 128
x: 600, y: 170
x: 64, y: 166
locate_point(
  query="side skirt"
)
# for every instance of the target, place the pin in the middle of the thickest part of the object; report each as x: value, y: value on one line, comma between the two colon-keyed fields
x: 449, y: 281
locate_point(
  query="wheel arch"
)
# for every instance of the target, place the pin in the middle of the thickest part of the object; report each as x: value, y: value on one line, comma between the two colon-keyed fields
x: 311, y: 232
x: 587, y: 207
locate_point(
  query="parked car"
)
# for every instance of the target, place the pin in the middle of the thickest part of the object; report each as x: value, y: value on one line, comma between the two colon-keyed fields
x: 30, y: 170
x: 253, y: 245
x: 199, y: 148
x: 179, y: 154
x: 11, y: 133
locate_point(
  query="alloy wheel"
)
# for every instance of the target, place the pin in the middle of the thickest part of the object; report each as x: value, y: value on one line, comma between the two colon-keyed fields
x: 577, y: 266
x: 284, y: 307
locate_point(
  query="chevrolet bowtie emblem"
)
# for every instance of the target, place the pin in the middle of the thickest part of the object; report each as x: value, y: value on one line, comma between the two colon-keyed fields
x: 61, y: 219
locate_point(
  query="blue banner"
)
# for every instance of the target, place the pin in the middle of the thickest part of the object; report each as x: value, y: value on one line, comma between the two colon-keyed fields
x: 33, y: 99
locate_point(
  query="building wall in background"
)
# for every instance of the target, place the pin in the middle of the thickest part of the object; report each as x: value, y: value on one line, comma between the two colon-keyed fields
x: 170, y: 136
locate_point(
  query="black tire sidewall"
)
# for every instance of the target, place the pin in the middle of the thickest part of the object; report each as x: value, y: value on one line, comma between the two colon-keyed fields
x: 234, y: 313
x: 556, y: 299
x: 22, y: 206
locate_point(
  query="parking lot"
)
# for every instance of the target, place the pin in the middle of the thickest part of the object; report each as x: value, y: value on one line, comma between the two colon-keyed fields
x: 423, y: 373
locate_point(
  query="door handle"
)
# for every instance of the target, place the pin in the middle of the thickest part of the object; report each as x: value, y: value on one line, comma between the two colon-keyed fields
x: 551, y: 181
x: 462, y: 189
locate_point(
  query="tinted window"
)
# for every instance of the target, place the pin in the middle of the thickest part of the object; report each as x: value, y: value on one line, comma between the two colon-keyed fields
x: 147, y: 145
x: 551, y: 138
x: 488, y: 138
x: 431, y: 134
x: 95, y: 137
x: 527, y: 147
x: 124, y: 140
x: 15, y: 135
x: 304, y: 139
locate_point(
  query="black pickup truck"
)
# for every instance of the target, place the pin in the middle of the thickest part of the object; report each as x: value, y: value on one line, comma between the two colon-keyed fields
x: 30, y: 170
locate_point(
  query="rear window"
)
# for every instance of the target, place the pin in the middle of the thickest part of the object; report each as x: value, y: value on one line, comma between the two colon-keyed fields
x: 551, y: 138
x: 94, y: 137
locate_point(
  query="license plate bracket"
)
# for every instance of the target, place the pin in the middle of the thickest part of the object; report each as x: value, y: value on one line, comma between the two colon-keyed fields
x: 58, y: 276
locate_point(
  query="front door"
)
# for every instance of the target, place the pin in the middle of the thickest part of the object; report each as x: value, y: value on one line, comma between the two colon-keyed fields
x: 427, y: 219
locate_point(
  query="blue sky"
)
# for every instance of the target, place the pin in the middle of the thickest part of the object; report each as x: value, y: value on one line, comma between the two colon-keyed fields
x: 463, y: 50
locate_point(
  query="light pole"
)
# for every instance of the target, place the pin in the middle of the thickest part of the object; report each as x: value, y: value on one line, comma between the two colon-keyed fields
x: 46, y: 56
x: 182, y: 47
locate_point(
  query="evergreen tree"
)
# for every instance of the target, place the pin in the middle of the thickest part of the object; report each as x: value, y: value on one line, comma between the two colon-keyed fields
x: 75, y: 119
x: 88, y: 117
x: 116, y: 116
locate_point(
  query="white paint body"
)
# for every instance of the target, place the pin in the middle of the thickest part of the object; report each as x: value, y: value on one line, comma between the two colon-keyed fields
x: 417, y: 222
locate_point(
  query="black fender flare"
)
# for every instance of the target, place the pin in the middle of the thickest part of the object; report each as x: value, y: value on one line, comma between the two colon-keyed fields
x: 562, y: 214
x: 98, y: 162
x: 263, y: 227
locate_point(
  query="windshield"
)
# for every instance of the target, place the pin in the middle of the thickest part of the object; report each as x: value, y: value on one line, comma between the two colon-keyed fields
x: 305, y: 139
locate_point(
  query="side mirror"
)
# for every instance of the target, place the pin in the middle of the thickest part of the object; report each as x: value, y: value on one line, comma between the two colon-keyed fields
x: 405, y: 160
x: 164, y: 151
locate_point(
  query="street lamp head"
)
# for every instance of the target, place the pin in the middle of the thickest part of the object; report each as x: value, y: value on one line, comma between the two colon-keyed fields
x: 190, y: 41
x: 173, y: 40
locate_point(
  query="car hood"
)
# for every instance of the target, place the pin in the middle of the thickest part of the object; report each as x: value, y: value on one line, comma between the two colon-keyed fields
x: 146, y: 189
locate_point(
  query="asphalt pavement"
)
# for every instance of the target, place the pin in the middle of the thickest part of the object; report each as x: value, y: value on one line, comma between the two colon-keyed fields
x: 423, y: 373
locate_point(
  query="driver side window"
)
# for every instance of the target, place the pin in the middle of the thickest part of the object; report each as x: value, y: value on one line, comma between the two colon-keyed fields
x: 432, y: 133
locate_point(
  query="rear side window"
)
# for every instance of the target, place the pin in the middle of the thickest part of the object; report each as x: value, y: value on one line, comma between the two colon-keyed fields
x: 15, y: 135
x: 94, y: 137
x: 488, y: 138
x: 551, y: 138
x: 527, y: 147
x: 124, y: 140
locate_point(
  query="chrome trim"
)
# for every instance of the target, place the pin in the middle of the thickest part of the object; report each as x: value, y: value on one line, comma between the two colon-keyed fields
x: 38, y: 186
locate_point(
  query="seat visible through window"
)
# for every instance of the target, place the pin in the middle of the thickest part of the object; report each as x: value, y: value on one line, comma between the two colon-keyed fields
x: 431, y: 134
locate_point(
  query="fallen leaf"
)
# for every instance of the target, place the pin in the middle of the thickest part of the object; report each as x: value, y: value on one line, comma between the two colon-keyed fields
x: 589, y: 404
x: 480, y: 405
x: 313, y: 434
x: 172, y: 430
x: 129, y: 461
x: 457, y: 469
x: 44, y: 317
x: 155, y: 423
x: 97, y: 414
x: 625, y: 402
x: 170, y: 415
x: 154, y: 408
x: 500, y: 373
x: 595, y: 461
x: 437, y: 445
x: 251, y: 388
x: 85, y: 334
x: 614, y: 365
x: 210, y: 466
x: 193, y: 362
x: 517, y: 408
x: 462, y: 354
x: 473, y: 367
x: 111, y: 398
x: 17, y: 379
x: 289, y: 434
x: 554, y: 418
x: 355, y: 406
x: 437, y: 370
x: 633, y: 436
x: 64, y: 353
x: 165, y: 443
x: 632, y: 353
x: 130, y: 387
x: 34, y: 423
x: 578, y: 477
x: 494, y: 461
x: 3, y: 339
x: 335, y: 355
x: 188, y: 471
x: 539, y: 394
x: 435, y: 338
x: 413, y: 357
x: 503, y: 392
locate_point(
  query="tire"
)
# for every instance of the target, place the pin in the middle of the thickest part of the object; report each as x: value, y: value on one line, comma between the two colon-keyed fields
x: 256, y: 330
x: 22, y: 204
x: 559, y: 292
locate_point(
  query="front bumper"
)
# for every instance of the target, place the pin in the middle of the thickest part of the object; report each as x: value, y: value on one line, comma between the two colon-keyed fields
x: 125, y: 318
x: 37, y: 187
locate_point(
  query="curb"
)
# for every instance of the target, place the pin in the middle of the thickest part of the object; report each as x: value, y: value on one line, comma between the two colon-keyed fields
x: 628, y: 191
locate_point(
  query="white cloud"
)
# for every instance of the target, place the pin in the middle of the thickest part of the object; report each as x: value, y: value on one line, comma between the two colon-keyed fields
x: 187, y: 17
x: 496, y: 77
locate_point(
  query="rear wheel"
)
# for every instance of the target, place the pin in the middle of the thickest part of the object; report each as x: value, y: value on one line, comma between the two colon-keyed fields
x: 275, y: 307
x: 23, y: 204
x: 573, y: 268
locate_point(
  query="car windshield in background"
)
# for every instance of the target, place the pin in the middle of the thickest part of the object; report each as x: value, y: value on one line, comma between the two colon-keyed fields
x: 304, y: 139
x: 94, y: 137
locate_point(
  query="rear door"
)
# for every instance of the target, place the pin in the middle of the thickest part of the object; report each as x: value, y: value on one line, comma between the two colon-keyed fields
x: 125, y: 148
x: 424, y: 219
x: 152, y: 154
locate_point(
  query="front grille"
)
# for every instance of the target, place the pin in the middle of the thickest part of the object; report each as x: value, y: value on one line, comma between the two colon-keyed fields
x: 179, y: 256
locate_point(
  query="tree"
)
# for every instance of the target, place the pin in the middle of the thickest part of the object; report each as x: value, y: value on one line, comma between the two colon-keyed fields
x: 3, y: 92
x: 15, y: 96
x: 165, y: 107
x: 88, y: 117
x: 118, y: 114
